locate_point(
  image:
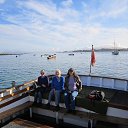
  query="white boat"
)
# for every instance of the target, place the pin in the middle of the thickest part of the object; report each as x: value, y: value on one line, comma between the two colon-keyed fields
x: 51, y: 57
x: 115, y: 52
x: 18, y: 103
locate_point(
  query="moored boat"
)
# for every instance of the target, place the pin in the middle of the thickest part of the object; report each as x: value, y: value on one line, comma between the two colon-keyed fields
x: 115, y: 51
x: 71, y: 54
x: 51, y: 57
x: 19, y: 103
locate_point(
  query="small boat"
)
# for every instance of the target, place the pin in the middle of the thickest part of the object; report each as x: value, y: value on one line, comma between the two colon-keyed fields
x: 51, y: 57
x: 71, y: 54
x: 115, y: 52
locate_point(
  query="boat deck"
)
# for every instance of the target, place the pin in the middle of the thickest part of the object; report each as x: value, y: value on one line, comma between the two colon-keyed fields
x: 20, y: 123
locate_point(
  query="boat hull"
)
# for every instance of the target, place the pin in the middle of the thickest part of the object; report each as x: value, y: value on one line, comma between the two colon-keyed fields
x: 115, y: 53
x: 115, y: 110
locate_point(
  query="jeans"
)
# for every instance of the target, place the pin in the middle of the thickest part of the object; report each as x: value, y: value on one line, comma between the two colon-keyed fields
x: 70, y: 100
x: 39, y: 95
x: 55, y: 93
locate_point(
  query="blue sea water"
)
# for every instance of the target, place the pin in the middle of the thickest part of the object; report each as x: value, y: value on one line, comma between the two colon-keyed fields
x: 27, y: 66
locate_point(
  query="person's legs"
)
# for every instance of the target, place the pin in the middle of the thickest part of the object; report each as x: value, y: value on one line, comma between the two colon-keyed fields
x: 73, y: 97
x: 57, y: 97
x: 35, y: 97
x: 51, y: 93
x: 67, y: 100
x: 40, y: 97
x: 41, y: 92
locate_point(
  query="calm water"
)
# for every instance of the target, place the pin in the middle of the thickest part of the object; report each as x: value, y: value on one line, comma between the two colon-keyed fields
x: 27, y: 67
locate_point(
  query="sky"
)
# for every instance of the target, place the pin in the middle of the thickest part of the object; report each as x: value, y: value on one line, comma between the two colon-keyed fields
x: 59, y: 25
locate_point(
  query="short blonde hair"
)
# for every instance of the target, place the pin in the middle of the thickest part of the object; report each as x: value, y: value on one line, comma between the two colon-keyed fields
x: 58, y: 70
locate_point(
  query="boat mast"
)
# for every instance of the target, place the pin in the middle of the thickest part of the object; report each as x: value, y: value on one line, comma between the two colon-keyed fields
x: 114, y: 46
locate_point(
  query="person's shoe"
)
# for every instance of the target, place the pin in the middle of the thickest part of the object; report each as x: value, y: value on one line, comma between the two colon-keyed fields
x: 57, y: 108
x: 73, y: 111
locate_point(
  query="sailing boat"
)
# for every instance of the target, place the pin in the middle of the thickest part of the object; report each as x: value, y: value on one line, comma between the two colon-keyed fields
x: 115, y: 52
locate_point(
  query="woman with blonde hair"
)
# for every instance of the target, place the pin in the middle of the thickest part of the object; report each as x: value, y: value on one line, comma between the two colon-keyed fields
x: 56, y: 88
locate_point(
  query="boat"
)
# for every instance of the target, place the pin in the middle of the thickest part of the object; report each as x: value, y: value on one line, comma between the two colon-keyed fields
x: 51, y: 57
x: 71, y: 54
x: 115, y: 52
x: 16, y: 106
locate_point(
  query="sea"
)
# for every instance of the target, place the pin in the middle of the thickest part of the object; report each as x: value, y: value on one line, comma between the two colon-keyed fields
x: 27, y: 67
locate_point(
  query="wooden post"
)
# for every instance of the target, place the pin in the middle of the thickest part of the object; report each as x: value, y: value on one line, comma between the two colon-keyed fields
x: 57, y: 118
x: 30, y: 109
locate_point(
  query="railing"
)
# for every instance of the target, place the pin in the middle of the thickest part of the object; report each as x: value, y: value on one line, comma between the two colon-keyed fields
x: 15, y: 92
x: 106, y: 82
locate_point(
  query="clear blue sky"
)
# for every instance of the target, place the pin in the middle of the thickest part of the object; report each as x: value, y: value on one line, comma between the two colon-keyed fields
x: 46, y: 25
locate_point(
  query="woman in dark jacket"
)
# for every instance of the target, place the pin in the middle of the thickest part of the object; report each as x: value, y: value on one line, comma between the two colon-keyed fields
x: 72, y: 86
x: 43, y: 84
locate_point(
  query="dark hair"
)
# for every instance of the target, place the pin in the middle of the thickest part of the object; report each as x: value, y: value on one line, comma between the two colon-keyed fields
x: 71, y: 70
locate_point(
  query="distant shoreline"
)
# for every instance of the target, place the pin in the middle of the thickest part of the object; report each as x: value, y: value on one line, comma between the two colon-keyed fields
x: 4, y: 54
x: 98, y: 50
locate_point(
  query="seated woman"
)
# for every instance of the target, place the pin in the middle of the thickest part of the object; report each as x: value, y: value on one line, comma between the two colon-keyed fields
x: 72, y: 86
x: 56, y: 88
x: 42, y: 83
